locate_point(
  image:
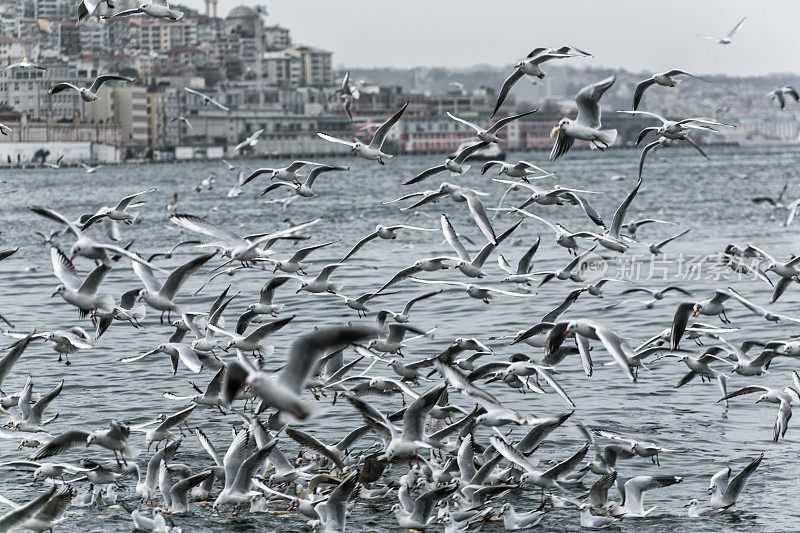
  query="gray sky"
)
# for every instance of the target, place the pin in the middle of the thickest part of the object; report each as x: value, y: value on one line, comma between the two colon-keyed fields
x: 634, y: 34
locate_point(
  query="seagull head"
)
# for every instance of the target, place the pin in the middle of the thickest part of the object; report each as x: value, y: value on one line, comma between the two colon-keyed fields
x: 561, y: 124
x: 736, y: 367
x: 75, y: 250
x: 89, y: 440
x: 143, y: 293
x: 61, y: 289
x: 696, y: 309
x: 762, y: 398
x: 356, y: 146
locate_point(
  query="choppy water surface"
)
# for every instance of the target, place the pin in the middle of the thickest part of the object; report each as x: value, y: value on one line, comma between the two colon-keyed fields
x: 710, y: 197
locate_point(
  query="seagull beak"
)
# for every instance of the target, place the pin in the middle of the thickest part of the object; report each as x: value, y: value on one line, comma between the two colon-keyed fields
x: 353, y: 149
x: 53, y: 295
x: 554, y: 131
x: 20, y: 447
x: 695, y: 313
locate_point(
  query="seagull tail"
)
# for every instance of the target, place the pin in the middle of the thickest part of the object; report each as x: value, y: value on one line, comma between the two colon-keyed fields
x: 608, y: 136
x: 130, y: 451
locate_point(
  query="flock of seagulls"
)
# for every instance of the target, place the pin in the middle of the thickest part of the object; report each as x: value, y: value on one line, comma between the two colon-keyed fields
x: 451, y: 453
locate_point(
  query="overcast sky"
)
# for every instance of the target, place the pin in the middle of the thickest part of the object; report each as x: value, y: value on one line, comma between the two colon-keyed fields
x: 633, y: 34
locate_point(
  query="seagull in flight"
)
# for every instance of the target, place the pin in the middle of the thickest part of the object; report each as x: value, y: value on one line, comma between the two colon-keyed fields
x: 530, y: 66
x: 23, y: 65
x: 665, y: 79
x: 151, y: 9
x: 89, y: 94
x: 250, y: 142
x: 206, y: 99
x: 729, y: 36
x: 780, y: 95
x: 489, y: 135
x: 373, y: 150
x: 587, y: 125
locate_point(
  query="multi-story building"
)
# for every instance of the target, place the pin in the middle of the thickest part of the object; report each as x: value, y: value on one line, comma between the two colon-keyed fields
x: 280, y: 69
x: 69, y: 36
x: 14, y: 49
x: 129, y: 104
x: 315, y: 65
x: 156, y: 120
x: 93, y: 37
x: 276, y: 38
x: 52, y: 9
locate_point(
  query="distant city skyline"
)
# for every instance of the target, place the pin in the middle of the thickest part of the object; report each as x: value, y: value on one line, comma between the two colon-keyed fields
x: 628, y: 34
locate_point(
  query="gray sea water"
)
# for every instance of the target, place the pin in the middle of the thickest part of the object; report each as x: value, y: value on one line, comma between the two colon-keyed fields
x: 712, y: 198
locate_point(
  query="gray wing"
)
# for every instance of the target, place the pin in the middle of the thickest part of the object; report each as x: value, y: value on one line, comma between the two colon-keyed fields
x: 249, y: 466
x: 16, y: 517
x: 64, y: 269
x: 679, y: 323
x: 503, y: 122
x: 736, y: 28
x: 478, y: 212
x: 235, y: 456
x: 563, y: 143
x: 66, y: 441
x: 178, y: 276
x: 598, y: 494
x: 639, y: 92
x: 426, y: 174
x: 208, y: 446
x: 736, y: 485
x: 304, y: 439
x: 414, y: 417
x: 400, y: 276
x: 100, y: 80
x: 614, y: 345
x: 180, y: 490
x: 383, y: 131
x: 563, y: 306
x: 360, y: 244
x: 92, y: 282
x: 56, y: 506
x: 316, y: 171
x: 468, y: 151
x: 588, y: 100
x: 200, y: 225
x: 63, y: 86
x: 268, y: 290
x: 37, y: 411
x: 11, y: 358
x: 452, y: 239
x: 622, y: 210
x: 510, y: 81
x: 412, y: 301
x: 175, y: 419
x: 306, y: 349
x: 268, y: 329
x: 568, y: 465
